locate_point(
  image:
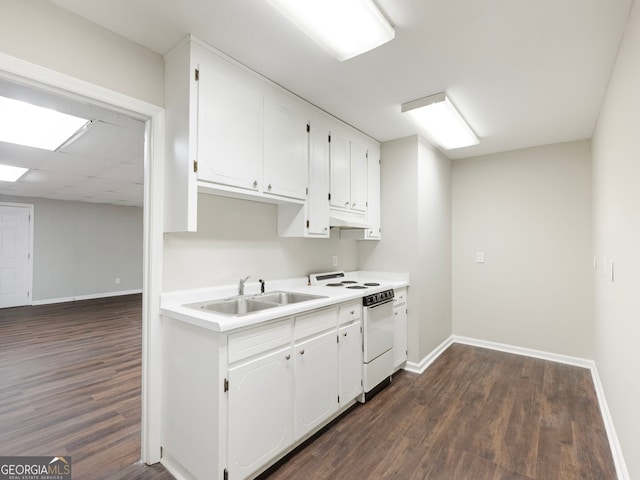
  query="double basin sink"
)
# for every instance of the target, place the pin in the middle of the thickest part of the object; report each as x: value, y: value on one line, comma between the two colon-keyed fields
x: 244, y: 305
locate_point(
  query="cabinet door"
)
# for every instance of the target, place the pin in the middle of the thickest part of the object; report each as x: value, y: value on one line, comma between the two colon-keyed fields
x: 340, y: 164
x: 318, y: 199
x: 316, y: 381
x: 260, y: 402
x: 359, y: 177
x: 286, y: 149
x: 400, y: 336
x: 229, y: 127
x: 350, y: 358
x: 373, y: 193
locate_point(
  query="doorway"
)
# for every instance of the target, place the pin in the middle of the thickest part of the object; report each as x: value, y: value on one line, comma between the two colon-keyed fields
x: 16, y: 245
x: 153, y: 117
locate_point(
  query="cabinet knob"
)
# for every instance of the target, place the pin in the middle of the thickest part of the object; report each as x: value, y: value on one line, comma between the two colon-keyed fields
x: 345, y: 334
x: 346, y: 204
x: 353, y: 312
x: 301, y: 352
x: 353, y: 204
x: 269, y: 187
x: 255, y: 184
x: 324, y: 229
x: 288, y: 357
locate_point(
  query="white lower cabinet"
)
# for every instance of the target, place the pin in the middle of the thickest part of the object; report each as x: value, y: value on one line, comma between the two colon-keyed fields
x: 234, y: 403
x: 350, y: 361
x: 400, y: 328
x: 316, y: 381
x: 259, y: 411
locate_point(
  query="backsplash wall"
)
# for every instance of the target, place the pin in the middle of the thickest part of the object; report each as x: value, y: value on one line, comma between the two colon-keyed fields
x: 236, y: 238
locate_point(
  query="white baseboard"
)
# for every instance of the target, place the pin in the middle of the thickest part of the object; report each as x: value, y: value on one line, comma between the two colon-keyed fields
x: 50, y: 301
x: 616, y: 451
x: 429, y: 359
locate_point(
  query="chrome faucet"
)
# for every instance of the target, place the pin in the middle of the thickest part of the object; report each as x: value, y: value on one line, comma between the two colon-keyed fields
x: 241, y: 285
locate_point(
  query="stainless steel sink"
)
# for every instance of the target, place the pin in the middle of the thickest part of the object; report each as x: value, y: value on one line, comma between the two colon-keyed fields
x: 285, y: 298
x: 239, y: 306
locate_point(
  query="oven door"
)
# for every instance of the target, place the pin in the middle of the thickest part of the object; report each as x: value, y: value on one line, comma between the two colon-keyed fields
x: 378, y: 330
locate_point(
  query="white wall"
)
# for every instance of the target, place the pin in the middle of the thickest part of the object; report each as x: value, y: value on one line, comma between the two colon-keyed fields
x: 416, y: 237
x: 237, y: 238
x: 529, y: 211
x: 42, y: 33
x: 616, y: 213
x: 81, y: 248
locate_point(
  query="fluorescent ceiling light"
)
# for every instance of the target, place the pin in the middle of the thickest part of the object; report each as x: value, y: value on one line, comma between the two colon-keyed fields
x: 441, y: 121
x: 11, y: 174
x: 345, y: 28
x: 33, y: 126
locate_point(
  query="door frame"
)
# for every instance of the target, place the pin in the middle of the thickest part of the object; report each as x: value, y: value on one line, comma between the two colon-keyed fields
x: 31, y: 222
x: 26, y: 73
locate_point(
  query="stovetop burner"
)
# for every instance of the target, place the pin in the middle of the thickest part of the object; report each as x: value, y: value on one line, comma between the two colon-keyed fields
x: 348, y: 281
x: 334, y: 285
x: 371, y: 284
x: 356, y: 287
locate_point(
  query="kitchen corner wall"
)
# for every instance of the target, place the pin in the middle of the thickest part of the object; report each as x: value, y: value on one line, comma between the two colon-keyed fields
x: 236, y: 238
x: 616, y: 213
x: 416, y: 237
x: 40, y: 32
x: 529, y: 212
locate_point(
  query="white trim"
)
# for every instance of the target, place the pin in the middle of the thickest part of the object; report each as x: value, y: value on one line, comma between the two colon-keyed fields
x: 616, y: 449
x: 50, y: 301
x: 614, y: 444
x: 30, y: 206
x: 31, y: 74
x: 429, y: 359
x: 527, y: 352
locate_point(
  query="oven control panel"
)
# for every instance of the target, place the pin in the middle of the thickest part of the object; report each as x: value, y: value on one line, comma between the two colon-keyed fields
x: 376, y: 298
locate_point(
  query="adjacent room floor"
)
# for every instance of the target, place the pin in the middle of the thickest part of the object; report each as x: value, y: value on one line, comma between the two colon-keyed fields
x: 70, y: 385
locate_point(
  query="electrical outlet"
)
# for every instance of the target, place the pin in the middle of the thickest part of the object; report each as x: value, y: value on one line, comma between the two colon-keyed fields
x: 335, y: 260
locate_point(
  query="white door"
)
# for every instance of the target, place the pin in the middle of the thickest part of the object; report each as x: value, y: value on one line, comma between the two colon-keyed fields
x: 260, y: 419
x: 286, y: 149
x: 350, y: 349
x: 316, y: 381
x: 15, y: 255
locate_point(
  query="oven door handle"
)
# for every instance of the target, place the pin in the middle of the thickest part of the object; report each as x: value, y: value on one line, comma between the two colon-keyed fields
x: 380, y: 304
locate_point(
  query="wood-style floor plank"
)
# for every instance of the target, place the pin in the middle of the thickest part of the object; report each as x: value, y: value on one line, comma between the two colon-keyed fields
x: 70, y: 385
x: 474, y: 414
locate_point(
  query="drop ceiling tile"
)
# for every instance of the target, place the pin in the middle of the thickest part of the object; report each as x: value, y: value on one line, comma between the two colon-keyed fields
x: 109, y: 142
x: 132, y: 171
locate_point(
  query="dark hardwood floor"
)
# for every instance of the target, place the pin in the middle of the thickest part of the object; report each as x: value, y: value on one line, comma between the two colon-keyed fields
x: 474, y: 414
x: 70, y: 385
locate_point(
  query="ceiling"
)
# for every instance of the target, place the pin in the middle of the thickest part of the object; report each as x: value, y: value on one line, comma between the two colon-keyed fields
x: 104, y: 165
x: 523, y: 73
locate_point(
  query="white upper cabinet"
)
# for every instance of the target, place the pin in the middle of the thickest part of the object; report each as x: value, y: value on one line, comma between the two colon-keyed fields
x: 340, y: 167
x: 230, y: 126
x: 232, y: 132
x: 286, y: 148
x: 358, y: 177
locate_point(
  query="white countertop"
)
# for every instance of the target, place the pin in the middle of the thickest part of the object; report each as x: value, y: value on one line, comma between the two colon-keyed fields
x: 172, y: 304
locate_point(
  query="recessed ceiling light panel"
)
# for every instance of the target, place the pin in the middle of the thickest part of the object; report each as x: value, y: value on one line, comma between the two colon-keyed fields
x: 441, y: 122
x: 32, y: 126
x: 345, y: 28
x: 9, y: 173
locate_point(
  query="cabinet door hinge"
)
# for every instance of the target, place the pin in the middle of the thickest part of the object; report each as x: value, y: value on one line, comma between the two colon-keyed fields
x: 360, y: 329
x: 361, y: 383
x: 195, y: 166
x: 329, y: 138
x: 307, y: 190
x: 226, y: 384
x: 307, y: 223
x: 337, y: 338
x: 329, y: 195
x: 366, y: 204
x: 338, y: 398
x: 308, y: 127
x: 367, y: 155
x: 226, y: 474
x: 28, y: 293
x: 196, y: 74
